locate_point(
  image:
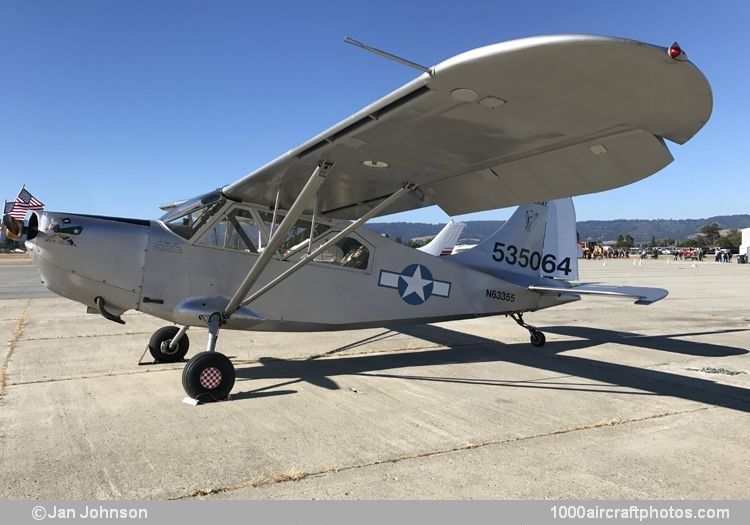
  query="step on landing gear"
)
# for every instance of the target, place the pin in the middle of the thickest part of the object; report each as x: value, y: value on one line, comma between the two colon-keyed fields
x: 537, y: 337
x: 208, y: 376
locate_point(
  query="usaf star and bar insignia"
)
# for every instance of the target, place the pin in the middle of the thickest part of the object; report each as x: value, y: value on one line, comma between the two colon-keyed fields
x: 414, y: 283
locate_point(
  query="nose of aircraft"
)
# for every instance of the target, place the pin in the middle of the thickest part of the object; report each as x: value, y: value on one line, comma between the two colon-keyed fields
x: 83, y: 257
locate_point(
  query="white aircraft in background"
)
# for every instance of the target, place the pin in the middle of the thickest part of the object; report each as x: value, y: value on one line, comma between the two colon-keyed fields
x: 444, y: 242
x: 533, y: 121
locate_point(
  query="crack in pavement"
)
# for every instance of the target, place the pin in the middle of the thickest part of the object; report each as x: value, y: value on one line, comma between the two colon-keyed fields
x: 17, y: 331
x: 167, y: 367
x: 297, y: 475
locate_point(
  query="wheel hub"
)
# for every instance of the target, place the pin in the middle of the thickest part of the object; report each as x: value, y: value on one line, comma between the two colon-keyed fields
x: 166, y: 350
x: 210, y: 378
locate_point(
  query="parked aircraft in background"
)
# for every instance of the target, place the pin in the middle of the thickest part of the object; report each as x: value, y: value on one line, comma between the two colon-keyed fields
x: 444, y: 242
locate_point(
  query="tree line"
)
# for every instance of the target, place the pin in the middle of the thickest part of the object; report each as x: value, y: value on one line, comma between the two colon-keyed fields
x: 710, y: 235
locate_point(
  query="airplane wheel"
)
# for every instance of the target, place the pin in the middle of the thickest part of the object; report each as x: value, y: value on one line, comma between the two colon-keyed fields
x: 208, y: 376
x: 158, y: 345
x: 537, y: 338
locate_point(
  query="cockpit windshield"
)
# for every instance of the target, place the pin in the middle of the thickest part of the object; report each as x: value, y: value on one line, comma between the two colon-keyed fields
x: 191, y: 206
x: 187, y: 218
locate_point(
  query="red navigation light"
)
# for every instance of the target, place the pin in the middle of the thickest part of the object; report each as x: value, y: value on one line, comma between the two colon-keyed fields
x: 674, y: 51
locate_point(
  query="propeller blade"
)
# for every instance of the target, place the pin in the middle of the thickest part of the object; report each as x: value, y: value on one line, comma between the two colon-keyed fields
x: 13, y: 227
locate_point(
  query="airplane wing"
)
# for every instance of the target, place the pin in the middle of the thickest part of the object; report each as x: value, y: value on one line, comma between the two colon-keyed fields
x: 641, y: 294
x: 532, y: 119
x: 443, y: 242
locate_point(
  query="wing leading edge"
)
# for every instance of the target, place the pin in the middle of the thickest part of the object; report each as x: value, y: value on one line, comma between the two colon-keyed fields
x: 531, y: 119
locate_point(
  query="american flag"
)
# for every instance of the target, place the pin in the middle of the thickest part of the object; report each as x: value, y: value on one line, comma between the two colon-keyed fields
x: 24, y: 202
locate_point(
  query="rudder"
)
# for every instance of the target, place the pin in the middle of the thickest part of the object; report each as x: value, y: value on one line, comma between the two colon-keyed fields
x: 539, y: 239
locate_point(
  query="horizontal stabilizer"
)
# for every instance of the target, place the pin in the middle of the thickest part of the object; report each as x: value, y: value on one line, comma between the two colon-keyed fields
x: 642, y: 294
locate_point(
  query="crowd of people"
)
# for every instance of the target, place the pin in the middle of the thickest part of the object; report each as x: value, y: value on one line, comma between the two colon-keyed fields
x: 688, y: 254
x: 605, y: 252
x: 723, y: 255
x: 597, y: 251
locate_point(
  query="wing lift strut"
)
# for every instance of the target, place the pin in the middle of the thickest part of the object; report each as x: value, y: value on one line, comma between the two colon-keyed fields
x: 308, y: 193
x: 209, y: 375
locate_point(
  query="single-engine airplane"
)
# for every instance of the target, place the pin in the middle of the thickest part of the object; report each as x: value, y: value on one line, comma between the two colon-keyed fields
x: 535, y: 120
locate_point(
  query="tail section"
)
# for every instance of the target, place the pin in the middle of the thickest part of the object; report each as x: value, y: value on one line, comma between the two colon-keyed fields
x: 561, y: 240
x: 539, y: 239
x: 444, y: 241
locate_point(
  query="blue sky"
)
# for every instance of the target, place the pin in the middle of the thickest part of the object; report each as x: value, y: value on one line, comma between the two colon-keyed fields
x: 115, y: 107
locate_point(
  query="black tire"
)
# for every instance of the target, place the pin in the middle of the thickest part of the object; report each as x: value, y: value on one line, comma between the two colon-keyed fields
x: 538, y: 339
x: 208, y: 376
x: 158, y: 345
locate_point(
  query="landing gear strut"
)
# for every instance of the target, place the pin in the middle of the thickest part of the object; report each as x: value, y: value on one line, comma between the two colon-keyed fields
x: 209, y: 375
x: 537, y: 337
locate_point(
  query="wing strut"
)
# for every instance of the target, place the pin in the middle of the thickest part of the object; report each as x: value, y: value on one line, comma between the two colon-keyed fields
x: 274, y: 242
x: 323, y: 247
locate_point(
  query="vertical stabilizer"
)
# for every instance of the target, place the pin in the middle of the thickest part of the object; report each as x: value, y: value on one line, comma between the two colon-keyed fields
x: 539, y: 239
x: 443, y: 242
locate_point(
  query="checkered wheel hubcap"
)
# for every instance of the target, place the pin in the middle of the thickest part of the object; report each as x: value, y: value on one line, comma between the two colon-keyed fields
x: 210, y: 378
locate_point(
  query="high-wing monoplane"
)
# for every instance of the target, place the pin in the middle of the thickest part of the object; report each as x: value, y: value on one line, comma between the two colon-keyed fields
x: 528, y: 122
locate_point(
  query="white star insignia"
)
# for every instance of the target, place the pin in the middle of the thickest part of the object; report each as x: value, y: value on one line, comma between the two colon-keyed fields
x: 415, y: 284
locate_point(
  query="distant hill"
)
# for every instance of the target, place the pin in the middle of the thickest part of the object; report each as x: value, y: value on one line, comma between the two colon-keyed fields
x: 476, y: 230
x: 641, y: 229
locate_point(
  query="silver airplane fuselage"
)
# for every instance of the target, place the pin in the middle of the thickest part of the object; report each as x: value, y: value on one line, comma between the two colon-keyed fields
x: 145, y: 266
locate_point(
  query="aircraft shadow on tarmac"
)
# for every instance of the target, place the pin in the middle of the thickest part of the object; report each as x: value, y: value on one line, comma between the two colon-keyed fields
x: 462, y: 348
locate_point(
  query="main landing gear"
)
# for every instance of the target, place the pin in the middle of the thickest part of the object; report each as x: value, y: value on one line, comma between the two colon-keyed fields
x: 208, y: 376
x: 537, y: 337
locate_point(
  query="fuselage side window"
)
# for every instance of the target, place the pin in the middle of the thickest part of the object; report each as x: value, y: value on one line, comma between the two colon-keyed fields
x: 245, y: 230
x: 237, y: 231
x: 348, y: 252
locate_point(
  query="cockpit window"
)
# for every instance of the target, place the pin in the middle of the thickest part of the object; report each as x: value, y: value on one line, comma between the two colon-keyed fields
x: 186, y: 219
x: 190, y: 206
x: 348, y: 252
x: 237, y: 231
x: 297, y: 238
x: 244, y: 229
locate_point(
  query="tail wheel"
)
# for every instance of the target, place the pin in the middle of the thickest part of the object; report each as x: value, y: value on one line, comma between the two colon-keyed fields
x: 537, y: 338
x: 208, y: 376
x: 158, y: 345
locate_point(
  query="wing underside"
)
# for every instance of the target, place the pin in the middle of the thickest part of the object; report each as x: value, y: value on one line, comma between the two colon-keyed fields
x: 532, y: 119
